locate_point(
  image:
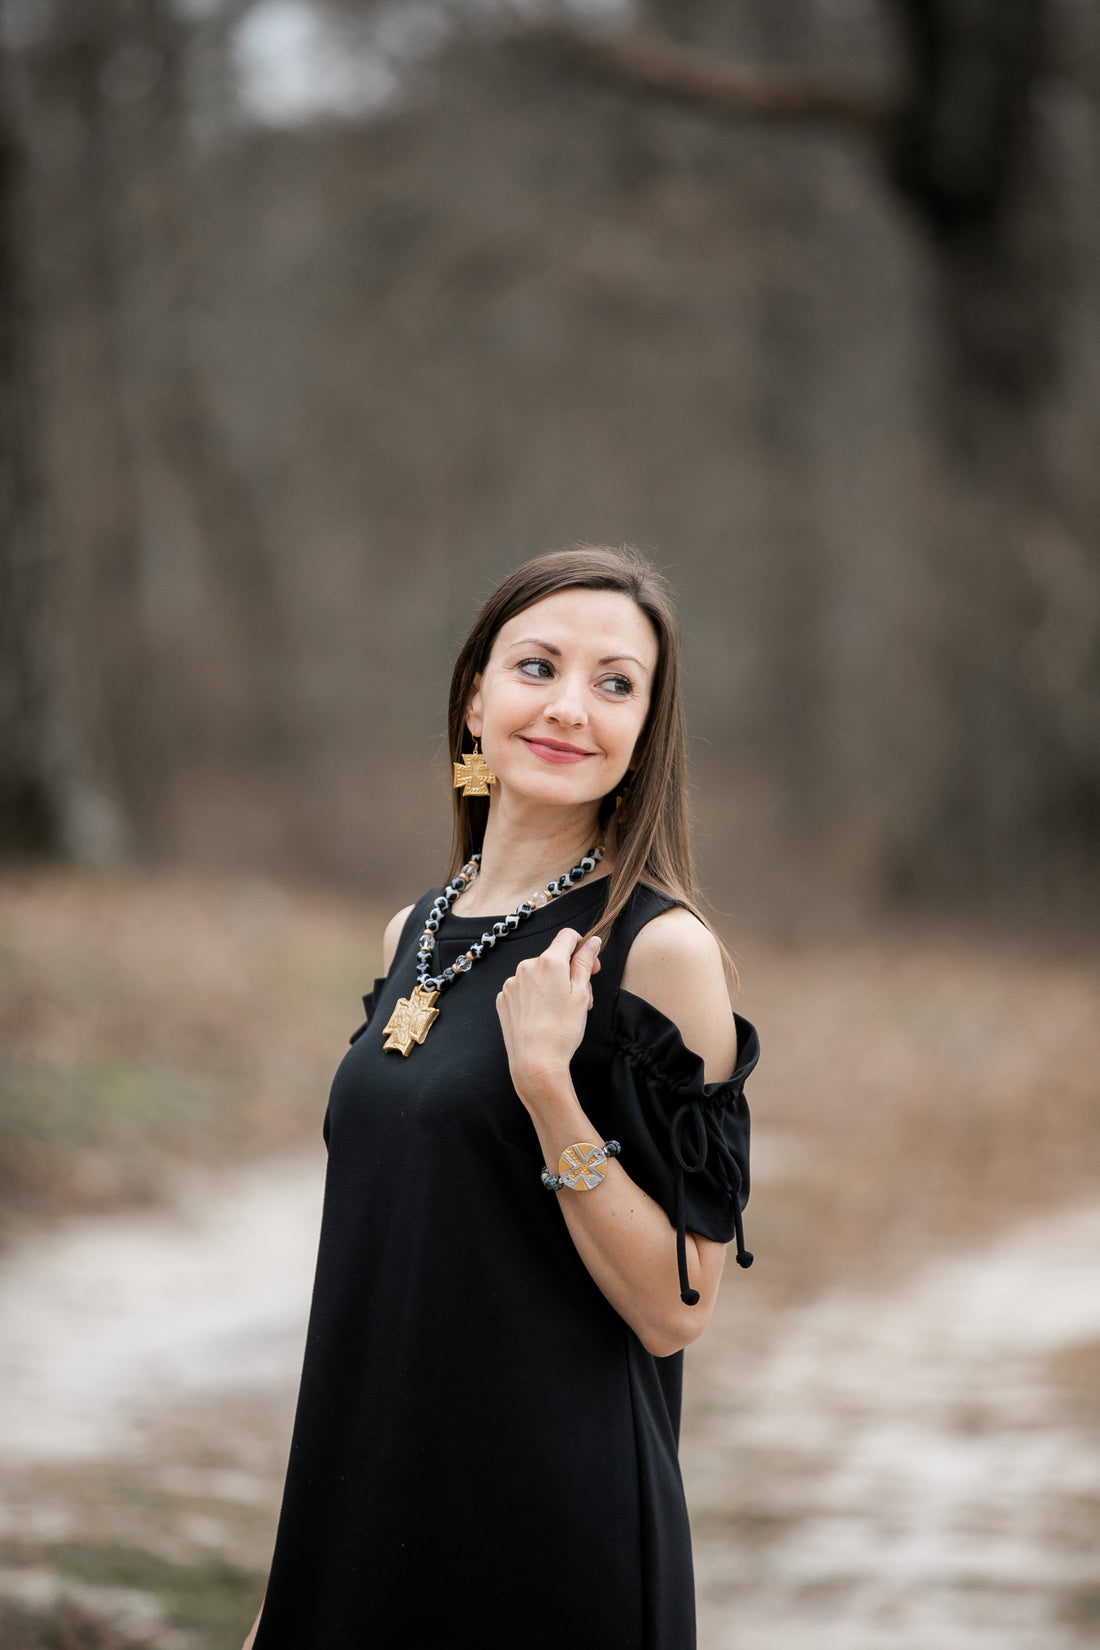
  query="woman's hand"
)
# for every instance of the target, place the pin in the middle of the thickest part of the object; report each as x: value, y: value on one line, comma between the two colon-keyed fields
x: 543, y: 1009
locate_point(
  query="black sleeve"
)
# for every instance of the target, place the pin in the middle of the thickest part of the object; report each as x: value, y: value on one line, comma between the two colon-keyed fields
x: 685, y: 1141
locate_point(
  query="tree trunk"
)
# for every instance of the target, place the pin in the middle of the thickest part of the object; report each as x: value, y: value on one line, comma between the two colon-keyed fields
x: 31, y: 804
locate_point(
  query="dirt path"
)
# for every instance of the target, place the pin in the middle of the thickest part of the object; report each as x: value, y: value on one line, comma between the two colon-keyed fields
x: 913, y: 1469
x: 918, y: 1469
x: 110, y: 1322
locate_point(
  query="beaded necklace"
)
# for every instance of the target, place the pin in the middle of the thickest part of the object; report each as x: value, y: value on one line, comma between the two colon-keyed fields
x: 413, y: 1016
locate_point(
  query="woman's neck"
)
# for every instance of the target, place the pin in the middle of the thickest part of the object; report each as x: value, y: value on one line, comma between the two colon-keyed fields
x: 520, y: 855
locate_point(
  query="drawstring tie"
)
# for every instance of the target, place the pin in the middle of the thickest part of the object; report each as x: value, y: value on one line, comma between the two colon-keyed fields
x: 690, y: 1156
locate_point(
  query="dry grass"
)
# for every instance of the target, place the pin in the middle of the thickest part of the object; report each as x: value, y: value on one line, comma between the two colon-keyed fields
x: 148, y: 1020
x: 62, y: 1627
x: 915, y: 1090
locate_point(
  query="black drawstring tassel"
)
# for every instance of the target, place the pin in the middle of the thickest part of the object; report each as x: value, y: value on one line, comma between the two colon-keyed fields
x: 688, y: 1295
x: 733, y: 1186
x: 744, y: 1256
x: 730, y: 1173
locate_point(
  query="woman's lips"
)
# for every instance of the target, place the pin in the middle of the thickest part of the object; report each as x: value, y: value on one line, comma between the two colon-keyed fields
x: 552, y: 752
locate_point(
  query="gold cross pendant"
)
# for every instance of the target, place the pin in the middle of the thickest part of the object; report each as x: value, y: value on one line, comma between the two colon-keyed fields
x: 411, y: 1020
x: 473, y: 775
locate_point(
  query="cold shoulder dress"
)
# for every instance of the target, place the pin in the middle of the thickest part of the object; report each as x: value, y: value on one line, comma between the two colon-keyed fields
x: 484, y: 1454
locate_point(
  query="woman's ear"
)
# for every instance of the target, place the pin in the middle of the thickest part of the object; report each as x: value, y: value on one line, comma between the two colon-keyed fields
x: 474, y: 716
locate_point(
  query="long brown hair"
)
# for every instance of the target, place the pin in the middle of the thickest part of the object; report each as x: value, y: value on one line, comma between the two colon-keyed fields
x: 647, y: 836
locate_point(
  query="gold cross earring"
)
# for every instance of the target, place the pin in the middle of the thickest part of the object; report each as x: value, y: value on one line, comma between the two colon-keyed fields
x: 473, y: 775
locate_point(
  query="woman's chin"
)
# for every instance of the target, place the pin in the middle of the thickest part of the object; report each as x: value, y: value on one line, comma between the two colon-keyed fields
x: 555, y: 790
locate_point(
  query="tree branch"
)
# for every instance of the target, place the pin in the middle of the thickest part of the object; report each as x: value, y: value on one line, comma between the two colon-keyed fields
x: 737, y: 91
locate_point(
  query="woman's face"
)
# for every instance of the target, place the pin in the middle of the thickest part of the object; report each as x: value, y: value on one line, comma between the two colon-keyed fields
x: 564, y: 696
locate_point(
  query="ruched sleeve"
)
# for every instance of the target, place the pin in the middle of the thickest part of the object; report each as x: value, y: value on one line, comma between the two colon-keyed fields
x: 684, y: 1141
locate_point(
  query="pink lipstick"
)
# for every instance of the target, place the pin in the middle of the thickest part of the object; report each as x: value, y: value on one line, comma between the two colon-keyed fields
x: 553, y: 750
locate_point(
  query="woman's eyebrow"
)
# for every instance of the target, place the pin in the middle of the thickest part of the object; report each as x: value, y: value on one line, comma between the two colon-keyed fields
x: 533, y: 641
x: 548, y: 647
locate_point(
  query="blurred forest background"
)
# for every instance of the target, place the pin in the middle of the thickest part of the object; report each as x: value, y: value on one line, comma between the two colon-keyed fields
x: 318, y: 317
x: 315, y: 317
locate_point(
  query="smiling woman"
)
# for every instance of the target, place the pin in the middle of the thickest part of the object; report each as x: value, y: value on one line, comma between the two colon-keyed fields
x: 558, y: 715
x: 538, y: 1151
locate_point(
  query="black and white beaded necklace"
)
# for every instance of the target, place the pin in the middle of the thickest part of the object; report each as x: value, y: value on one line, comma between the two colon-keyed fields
x: 413, y: 1016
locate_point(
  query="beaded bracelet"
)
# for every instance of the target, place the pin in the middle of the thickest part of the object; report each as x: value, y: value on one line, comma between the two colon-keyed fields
x: 581, y: 1167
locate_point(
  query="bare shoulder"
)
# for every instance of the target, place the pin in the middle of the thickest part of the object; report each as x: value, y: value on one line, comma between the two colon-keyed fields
x: 392, y: 935
x: 675, y: 963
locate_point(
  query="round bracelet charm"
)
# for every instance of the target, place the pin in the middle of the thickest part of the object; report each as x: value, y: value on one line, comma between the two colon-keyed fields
x: 581, y: 1167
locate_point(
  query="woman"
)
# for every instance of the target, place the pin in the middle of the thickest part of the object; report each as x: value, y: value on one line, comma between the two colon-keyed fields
x: 537, y: 1154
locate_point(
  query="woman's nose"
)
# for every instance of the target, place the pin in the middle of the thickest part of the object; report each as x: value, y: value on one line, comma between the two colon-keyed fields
x: 568, y: 703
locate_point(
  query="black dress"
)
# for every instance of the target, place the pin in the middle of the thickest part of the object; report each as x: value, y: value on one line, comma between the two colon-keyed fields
x: 484, y: 1454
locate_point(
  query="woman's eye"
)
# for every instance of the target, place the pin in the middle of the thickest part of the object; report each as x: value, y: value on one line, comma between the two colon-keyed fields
x: 621, y: 686
x: 539, y: 669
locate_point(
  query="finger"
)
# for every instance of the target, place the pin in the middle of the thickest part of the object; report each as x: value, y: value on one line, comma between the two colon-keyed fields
x: 563, y: 945
x: 584, y: 959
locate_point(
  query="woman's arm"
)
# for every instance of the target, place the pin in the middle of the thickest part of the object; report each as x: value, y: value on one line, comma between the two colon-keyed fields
x: 251, y: 1639
x: 622, y: 1234
x: 392, y: 936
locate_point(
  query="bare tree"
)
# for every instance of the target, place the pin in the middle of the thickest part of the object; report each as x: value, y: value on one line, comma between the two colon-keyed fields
x: 1015, y: 551
x: 31, y: 807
